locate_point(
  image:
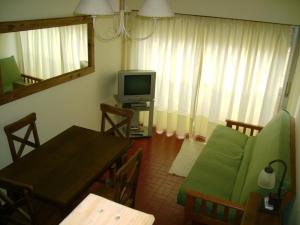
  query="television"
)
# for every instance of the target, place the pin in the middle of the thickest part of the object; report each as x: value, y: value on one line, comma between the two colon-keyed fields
x: 136, y: 85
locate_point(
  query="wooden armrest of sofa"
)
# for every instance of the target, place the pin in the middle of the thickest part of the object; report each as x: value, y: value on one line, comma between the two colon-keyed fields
x: 212, y: 217
x: 246, y: 127
x: 30, y: 79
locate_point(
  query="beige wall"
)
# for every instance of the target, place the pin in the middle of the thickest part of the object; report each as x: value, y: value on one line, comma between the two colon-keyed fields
x: 75, y: 102
x: 278, y: 11
x: 294, y: 108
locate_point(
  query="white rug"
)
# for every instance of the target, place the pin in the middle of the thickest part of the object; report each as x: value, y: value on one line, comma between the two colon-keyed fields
x: 185, y: 159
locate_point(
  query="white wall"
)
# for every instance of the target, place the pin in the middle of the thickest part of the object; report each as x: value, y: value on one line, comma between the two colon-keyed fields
x: 72, y: 103
x: 8, y: 45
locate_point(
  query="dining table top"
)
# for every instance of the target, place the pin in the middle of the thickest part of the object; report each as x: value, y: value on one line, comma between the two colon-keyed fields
x: 65, y: 166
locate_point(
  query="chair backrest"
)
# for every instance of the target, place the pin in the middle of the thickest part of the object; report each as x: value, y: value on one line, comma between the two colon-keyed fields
x: 124, y: 119
x: 17, y: 210
x: 126, y: 180
x: 29, y: 122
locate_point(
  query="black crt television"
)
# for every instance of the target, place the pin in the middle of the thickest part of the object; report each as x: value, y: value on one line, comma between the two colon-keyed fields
x: 136, y: 85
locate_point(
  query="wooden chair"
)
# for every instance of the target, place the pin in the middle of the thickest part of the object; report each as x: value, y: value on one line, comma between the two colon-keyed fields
x: 119, y: 120
x: 125, y: 182
x: 123, y: 118
x: 27, y: 121
x: 19, y: 210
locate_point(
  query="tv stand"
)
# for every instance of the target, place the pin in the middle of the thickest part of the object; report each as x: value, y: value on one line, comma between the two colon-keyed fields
x: 138, y: 130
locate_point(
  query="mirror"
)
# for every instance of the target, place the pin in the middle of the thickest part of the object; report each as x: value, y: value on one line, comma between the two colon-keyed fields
x: 39, y: 54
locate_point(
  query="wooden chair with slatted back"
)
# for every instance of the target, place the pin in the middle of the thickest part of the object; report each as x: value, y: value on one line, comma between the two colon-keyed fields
x: 20, y: 210
x: 126, y: 180
x: 123, y: 119
x: 10, y: 130
x: 119, y: 120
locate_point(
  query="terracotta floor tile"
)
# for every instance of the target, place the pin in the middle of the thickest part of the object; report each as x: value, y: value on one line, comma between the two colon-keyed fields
x: 157, y: 189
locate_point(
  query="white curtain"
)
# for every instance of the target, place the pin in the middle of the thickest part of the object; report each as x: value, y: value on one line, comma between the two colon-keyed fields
x: 210, y: 69
x: 53, y: 51
x: 74, y: 46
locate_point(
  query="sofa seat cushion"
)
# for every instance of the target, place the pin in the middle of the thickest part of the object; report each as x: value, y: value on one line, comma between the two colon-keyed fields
x: 243, y: 170
x: 216, y: 168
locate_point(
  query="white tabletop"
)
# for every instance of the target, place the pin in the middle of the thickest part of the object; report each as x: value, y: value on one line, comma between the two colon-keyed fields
x: 96, y: 210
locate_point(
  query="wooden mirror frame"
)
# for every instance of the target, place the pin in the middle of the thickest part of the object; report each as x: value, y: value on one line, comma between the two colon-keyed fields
x: 15, y: 26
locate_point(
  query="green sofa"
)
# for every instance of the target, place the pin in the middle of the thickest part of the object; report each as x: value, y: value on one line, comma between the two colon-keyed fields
x: 11, y: 77
x: 228, y: 167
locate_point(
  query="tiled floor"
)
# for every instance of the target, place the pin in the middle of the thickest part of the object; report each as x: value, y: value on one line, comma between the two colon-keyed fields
x: 157, y: 189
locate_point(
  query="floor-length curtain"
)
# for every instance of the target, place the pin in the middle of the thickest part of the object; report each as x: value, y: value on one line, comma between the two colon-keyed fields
x: 221, y: 68
x: 49, y: 52
x: 74, y: 46
x: 41, y: 54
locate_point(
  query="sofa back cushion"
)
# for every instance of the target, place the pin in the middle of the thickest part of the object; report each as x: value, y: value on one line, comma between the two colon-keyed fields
x: 9, y: 72
x: 273, y: 142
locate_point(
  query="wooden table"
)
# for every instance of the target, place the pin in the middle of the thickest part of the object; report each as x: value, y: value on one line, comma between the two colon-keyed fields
x: 254, y: 216
x: 65, y: 166
x: 96, y: 210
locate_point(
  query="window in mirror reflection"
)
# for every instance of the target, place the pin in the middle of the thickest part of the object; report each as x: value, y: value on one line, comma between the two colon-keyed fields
x: 35, y: 55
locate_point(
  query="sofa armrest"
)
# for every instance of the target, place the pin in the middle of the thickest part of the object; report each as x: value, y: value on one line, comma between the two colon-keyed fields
x: 202, y: 216
x: 246, y: 127
x: 30, y: 79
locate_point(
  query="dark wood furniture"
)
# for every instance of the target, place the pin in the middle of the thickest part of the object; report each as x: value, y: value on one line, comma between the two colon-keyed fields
x: 29, y: 122
x: 63, y: 168
x: 253, y: 215
x: 26, y: 81
x: 211, y: 219
x: 119, y: 121
x: 245, y: 128
x: 125, y: 183
x: 20, y: 210
x: 123, y: 119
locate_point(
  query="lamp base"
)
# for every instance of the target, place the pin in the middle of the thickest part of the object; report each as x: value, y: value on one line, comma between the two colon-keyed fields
x: 271, y: 204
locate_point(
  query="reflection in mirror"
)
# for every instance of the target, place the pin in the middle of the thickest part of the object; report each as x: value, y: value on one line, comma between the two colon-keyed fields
x: 37, y: 55
x: 32, y: 56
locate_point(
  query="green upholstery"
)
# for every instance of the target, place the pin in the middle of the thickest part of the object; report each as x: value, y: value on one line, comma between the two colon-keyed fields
x: 9, y: 73
x: 230, y: 162
x: 215, y: 170
x: 273, y: 142
x: 243, y: 170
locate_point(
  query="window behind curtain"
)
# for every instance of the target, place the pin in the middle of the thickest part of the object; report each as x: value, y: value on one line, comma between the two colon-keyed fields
x: 211, y: 69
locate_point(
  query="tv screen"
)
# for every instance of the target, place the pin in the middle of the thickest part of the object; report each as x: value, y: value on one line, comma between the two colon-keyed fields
x: 137, y: 84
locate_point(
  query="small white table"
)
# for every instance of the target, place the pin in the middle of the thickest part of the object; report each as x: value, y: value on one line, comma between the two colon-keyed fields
x: 96, y: 210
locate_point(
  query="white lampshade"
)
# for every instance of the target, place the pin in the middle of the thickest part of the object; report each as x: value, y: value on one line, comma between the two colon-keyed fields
x: 156, y: 8
x: 94, y: 7
x: 266, y: 180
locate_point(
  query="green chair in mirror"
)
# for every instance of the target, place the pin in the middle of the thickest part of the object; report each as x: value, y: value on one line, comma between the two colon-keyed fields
x: 11, y: 77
